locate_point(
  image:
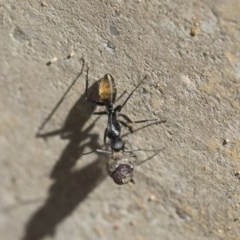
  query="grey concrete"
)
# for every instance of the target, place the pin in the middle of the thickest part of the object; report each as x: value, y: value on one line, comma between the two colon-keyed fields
x: 190, y: 190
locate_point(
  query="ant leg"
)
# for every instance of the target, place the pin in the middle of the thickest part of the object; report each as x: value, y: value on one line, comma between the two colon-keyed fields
x: 138, y: 121
x: 152, y: 156
x: 86, y: 93
x: 127, y: 126
x: 95, y: 102
x: 105, y: 136
x: 156, y: 152
x: 145, y: 126
x: 146, y: 120
x: 86, y: 81
x: 97, y: 150
x: 100, y: 113
x: 142, y: 149
x: 91, y: 100
x: 119, y: 107
x: 131, y: 122
x: 125, y: 117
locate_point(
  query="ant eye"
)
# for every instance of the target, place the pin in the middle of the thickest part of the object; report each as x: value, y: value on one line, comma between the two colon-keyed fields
x: 122, y: 174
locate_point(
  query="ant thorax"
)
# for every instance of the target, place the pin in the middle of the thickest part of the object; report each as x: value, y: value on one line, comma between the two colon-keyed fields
x: 120, y: 167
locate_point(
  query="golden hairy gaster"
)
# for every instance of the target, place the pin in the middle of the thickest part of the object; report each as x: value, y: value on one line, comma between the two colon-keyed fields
x: 107, y: 89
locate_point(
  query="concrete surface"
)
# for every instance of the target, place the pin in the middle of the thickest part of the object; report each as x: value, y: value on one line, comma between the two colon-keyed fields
x: 190, y: 51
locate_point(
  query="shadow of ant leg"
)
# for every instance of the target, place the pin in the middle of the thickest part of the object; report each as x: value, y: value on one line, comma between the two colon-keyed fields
x: 49, y: 134
x: 47, y: 119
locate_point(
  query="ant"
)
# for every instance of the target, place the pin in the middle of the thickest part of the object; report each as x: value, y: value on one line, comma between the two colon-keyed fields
x: 119, y: 167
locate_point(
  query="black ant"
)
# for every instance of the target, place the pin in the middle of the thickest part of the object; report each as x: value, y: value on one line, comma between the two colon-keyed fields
x: 119, y: 167
x: 107, y: 92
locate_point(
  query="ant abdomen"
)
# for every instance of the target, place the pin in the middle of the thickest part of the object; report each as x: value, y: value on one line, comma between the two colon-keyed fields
x: 107, y: 89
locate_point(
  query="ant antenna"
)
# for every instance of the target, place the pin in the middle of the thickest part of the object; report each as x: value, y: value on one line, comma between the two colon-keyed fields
x: 121, y: 106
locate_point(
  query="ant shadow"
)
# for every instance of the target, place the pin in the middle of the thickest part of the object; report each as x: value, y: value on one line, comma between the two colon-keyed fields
x: 70, y: 186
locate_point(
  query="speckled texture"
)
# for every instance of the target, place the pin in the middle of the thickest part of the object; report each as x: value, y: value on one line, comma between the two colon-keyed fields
x: 190, y: 51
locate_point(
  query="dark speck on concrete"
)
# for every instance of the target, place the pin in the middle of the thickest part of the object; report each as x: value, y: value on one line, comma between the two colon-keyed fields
x: 110, y: 45
x: 20, y: 35
x: 114, y: 31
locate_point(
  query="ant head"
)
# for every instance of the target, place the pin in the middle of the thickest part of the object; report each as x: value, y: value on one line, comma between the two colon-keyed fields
x: 123, y: 174
x: 120, y: 168
x: 117, y: 144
